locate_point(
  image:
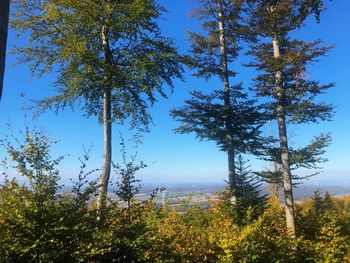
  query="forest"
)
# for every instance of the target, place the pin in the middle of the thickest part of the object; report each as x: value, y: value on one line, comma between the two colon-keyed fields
x: 111, y: 60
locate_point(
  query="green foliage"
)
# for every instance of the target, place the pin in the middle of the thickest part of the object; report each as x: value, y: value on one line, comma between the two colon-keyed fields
x: 66, y: 37
x: 212, y: 116
x: 37, y: 223
x: 128, y: 185
x: 250, y: 204
x: 206, y: 54
x: 299, y: 92
x: 116, y: 47
x: 204, y: 116
x: 308, y: 157
x: 59, y: 227
x: 269, y: 17
x: 322, y: 223
x: 117, y: 238
x: 33, y: 161
x: 330, y: 244
x: 291, y: 96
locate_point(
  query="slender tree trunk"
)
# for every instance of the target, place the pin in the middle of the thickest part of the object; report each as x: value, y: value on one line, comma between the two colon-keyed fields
x: 4, y: 20
x: 107, y: 126
x: 107, y: 133
x: 281, y: 120
x: 227, y: 107
x: 274, y: 187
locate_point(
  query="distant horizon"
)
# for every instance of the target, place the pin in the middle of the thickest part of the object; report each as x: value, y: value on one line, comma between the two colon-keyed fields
x: 330, y: 178
x: 175, y: 157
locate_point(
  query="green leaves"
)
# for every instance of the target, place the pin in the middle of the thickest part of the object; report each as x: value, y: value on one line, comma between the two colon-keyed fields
x: 32, y: 160
x: 277, y: 18
x: 65, y: 37
x: 63, y: 227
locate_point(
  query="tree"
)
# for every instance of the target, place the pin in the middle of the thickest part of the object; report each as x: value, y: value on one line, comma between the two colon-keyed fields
x: 4, y: 20
x: 33, y: 161
x: 283, y: 65
x: 109, y: 57
x: 250, y: 204
x: 226, y: 116
x: 203, y: 115
x: 32, y: 209
x: 128, y: 183
x: 38, y: 222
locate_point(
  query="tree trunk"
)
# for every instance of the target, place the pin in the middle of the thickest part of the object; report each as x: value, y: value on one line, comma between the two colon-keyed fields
x: 107, y: 126
x: 4, y: 20
x: 283, y: 138
x: 274, y: 187
x: 227, y: 107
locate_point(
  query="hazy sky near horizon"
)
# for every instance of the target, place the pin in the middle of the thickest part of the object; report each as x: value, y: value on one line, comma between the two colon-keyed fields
x: 172, y: 157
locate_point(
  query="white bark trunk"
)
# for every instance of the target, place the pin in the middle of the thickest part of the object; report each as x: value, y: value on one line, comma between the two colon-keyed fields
x: 107, y: 133
x: 107, y: 126
x: 283, y: 138
x: 227, y: 106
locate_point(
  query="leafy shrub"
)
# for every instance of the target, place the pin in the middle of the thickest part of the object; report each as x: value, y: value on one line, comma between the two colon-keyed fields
x: 38, y: 224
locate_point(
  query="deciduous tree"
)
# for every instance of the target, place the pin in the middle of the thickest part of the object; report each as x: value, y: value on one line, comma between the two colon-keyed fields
x: 128, y: 185
x: 109, y: 56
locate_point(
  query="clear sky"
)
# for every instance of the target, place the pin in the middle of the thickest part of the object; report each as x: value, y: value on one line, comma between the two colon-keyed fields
x: 181, y: 158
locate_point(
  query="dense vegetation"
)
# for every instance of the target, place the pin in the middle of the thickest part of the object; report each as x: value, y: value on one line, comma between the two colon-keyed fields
x: 39, y: 224
x: 111, y: 60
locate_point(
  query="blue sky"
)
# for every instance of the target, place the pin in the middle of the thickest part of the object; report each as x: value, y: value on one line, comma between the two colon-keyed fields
x: 181, y: 158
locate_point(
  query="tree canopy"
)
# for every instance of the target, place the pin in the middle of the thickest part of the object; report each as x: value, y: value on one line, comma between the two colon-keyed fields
x: 65, y: 38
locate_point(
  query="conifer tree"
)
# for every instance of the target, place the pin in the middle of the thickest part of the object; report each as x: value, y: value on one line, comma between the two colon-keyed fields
x: 109, y: 56
x: 249, y: 199
x: 225, y: 116
x: 282, y: 62
x: 4, y: 20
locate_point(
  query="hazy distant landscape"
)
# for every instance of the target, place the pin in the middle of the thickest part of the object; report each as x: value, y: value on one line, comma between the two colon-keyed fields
x: 201, y: 191
x: 187, y: 131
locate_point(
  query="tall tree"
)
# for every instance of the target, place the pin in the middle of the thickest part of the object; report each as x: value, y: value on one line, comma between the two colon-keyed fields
x: 109, y: 57
x: 283, y: 62
x: 219, y: 116
x: 4, y: 20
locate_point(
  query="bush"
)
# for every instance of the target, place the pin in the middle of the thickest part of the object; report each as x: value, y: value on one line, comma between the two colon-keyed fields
x: 38, y: 224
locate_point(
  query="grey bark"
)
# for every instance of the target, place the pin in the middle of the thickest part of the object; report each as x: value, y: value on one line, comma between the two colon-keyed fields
x: 227, y: 107
x: 283, y: 138
x: 4, y: 20
x: 107, y: 126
